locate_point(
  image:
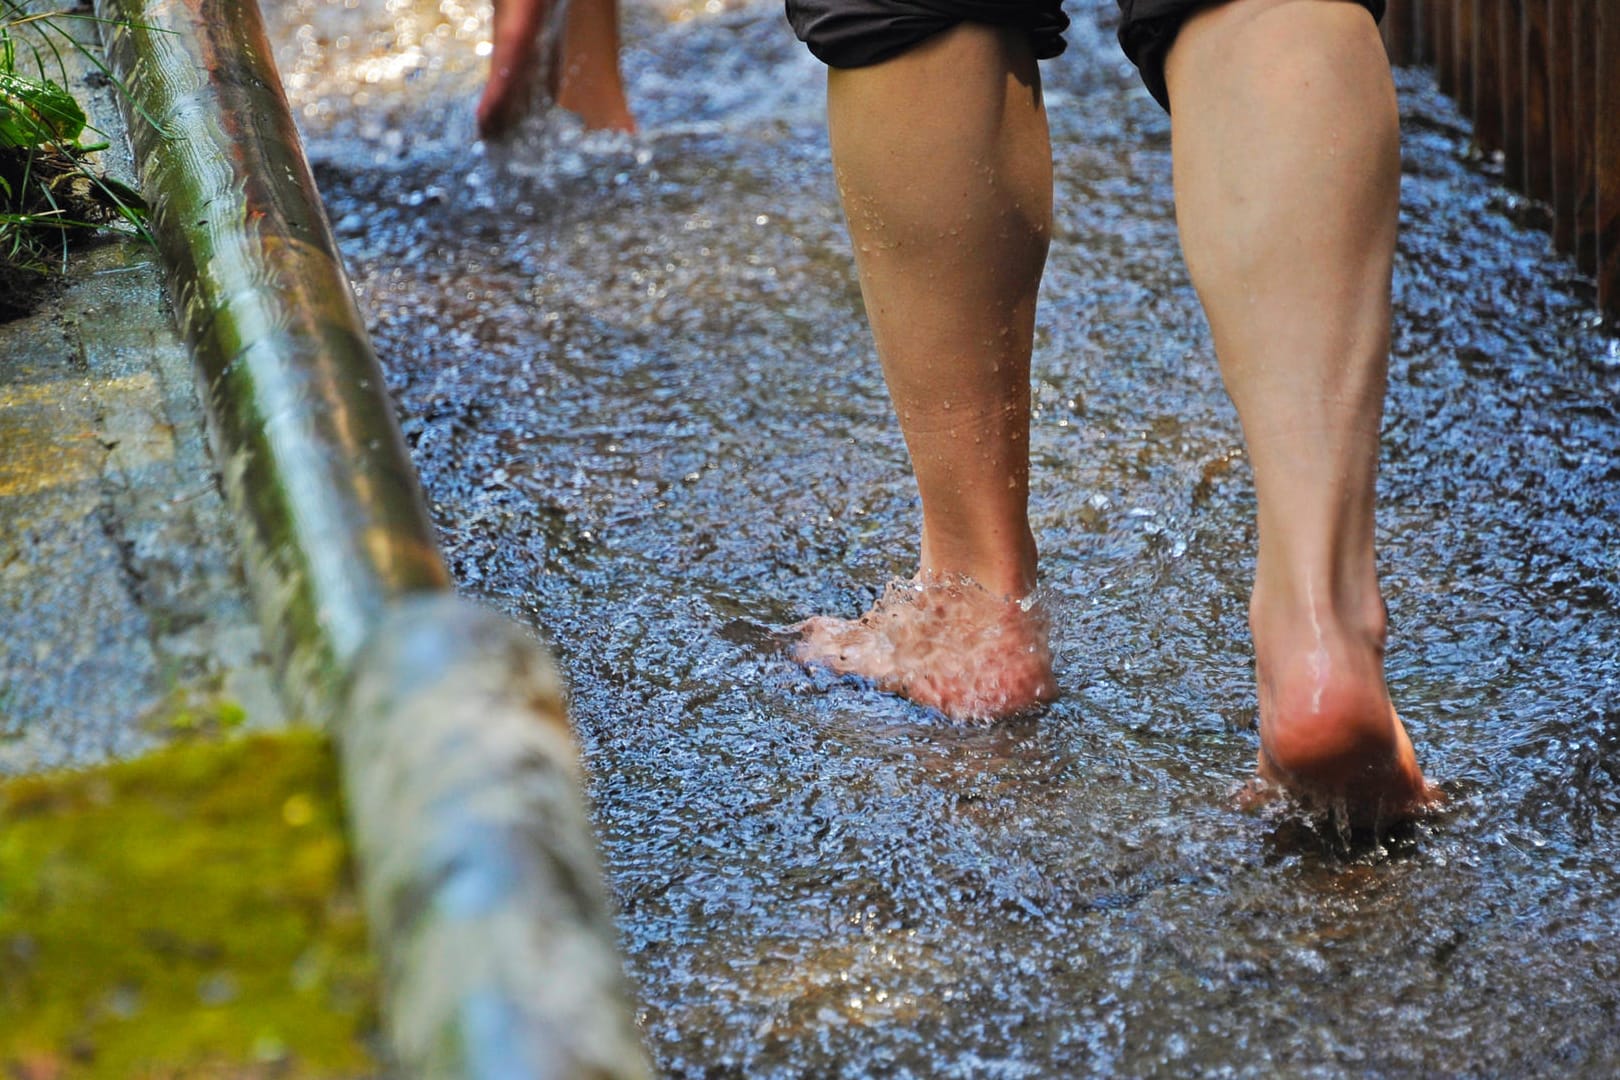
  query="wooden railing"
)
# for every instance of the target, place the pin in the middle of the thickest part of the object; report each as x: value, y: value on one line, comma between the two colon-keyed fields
x: 1541, y: 81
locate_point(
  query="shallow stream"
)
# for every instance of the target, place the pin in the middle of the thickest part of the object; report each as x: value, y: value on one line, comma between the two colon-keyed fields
x: 638, y: 385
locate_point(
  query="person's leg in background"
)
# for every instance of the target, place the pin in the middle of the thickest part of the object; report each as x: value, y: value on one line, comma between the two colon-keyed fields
x: 582, y: 75
x: 1287, y: 175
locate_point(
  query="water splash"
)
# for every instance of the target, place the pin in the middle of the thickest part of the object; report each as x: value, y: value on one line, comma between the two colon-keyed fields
x: 943, y: 642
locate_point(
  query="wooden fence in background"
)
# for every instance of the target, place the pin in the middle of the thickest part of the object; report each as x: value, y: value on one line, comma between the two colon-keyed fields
x: 1541, y: 81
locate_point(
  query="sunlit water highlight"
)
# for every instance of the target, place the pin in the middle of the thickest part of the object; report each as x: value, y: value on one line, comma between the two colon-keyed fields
x: 639, y: 388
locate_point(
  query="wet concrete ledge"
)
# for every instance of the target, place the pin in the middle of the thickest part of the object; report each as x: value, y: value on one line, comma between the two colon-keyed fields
x: 120, y: 599
x: 479, y: 875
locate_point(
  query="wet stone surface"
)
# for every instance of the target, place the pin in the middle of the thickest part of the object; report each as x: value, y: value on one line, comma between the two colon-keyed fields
x: 639, y: 388
x: 122, y: 605
x: 123, y: 613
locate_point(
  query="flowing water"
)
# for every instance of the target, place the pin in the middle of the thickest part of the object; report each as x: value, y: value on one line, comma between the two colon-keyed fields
x: 638, y: 385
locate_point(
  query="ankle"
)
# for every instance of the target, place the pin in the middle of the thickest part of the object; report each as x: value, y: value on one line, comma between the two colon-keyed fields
x: 1318, y: 643
x: 1002, y: 563
x: 1319, y: 657
x: 600, y: 106
x: 1304, y: 606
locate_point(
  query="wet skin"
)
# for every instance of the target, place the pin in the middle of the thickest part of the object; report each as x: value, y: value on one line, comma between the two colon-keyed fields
x: 1287, y: 169
x: 1330, y: 736
x: 1287, y: 174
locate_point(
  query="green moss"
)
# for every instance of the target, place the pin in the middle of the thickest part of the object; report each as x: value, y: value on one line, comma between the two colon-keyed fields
x: 187, y: 914
x: 198, y: 709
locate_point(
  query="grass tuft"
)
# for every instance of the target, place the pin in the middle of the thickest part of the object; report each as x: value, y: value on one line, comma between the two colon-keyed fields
x: 52, y: 195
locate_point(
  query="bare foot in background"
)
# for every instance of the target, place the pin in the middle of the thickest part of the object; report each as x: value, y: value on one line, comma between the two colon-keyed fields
x: 582, y: 74
x: 944, y: 643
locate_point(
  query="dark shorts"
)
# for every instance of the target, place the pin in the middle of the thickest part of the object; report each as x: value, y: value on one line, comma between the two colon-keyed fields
x: 855, y: 33
x: 1147, y: 29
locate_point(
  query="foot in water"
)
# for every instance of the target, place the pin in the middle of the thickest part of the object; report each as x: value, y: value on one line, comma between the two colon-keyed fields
x: 1329, y: 736
x: 581, y: 70
x: 945, y: 643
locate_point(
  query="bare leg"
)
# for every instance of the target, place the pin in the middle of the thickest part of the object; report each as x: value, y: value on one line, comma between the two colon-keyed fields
x: 588, y: 81
x: 1287, y: 175
x: 584, y: 76
x: 944, y: 166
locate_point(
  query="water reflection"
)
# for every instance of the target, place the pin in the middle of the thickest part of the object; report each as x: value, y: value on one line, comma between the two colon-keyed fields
x: 639, y: 388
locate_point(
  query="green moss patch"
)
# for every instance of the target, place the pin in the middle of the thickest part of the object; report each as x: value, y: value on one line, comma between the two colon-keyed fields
x: 187, y: 914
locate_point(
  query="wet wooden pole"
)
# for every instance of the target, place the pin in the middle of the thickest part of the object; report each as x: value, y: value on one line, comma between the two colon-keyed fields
x: 1540, y: 79
x: 1401, y: 34
x: 1473, y: 16
x: 1584, y: 75
x: 1484, y: 102
x: 1539, y: 64
x: 1607, y: 154
x: 1511, y: 100
x: 481, y: 880
x: 1565, y: 137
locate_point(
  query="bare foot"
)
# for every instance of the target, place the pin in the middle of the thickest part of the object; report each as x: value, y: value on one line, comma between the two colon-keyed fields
x: 581, y: 74
x: 591, y: 88
x: 1329, y: 735
x: 513, y: 66
x: 942, y: 642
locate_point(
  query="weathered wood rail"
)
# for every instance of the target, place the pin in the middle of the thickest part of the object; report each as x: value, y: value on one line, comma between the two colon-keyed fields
x: 1541, y: 81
